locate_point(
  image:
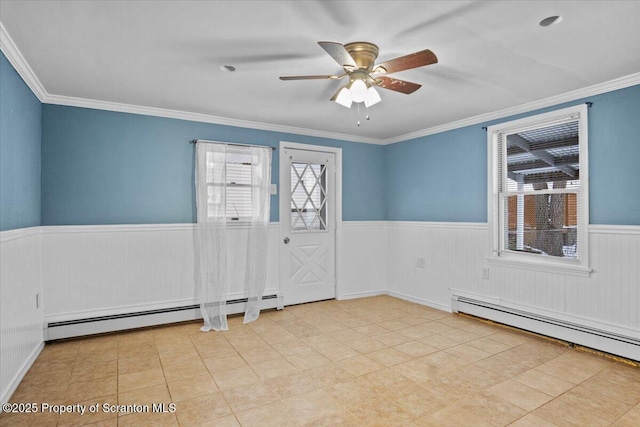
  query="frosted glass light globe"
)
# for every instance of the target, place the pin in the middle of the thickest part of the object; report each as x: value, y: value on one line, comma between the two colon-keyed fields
x: 372, y: 97
x: 359, y: 91
x: 344, y: 97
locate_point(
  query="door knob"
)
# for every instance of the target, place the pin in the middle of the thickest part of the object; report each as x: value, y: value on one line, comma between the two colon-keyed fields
x: 286, y: 240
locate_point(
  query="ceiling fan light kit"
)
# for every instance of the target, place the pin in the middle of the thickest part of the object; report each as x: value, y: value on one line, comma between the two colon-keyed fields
x: 343, y: 97
x: 358, y: 61
x: 373, y: 97
x: 358, y: 90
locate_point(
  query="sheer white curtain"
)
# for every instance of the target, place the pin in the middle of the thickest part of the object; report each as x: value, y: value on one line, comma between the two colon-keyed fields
x: 210, y: 237
x: 256, y: 271
x: 232, y: 189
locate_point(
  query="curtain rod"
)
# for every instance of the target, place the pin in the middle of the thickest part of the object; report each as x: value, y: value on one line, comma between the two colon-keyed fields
x: 588, y: 104
x: 231, y: 143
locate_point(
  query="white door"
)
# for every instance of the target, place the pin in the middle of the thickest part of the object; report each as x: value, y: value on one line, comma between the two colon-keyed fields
x: 308, y: 225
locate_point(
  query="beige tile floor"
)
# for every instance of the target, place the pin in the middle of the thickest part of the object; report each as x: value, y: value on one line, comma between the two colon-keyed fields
x: 373, y: 361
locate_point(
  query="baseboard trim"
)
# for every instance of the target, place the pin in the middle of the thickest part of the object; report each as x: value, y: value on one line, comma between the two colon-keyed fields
x: 595, y: 338
x: 117, y: 311
x: 185, y: 314
x: 420, y: 301
x: 542, y: 313
x: 91, y: 325
x: 354, y: 295
x: 17, y: 378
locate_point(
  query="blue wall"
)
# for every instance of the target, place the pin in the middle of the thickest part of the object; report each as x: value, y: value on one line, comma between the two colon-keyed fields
x: 102, y: 167
x: 614, y: 157
x: 440, y: 177
x: 443, y: 177
x: 20, y: 135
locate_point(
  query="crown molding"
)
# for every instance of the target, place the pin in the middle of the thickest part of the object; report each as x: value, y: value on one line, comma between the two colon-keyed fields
x: 611, y: 85
x: 199, y: 117
x: 18, y: 62
x: 619, y: 83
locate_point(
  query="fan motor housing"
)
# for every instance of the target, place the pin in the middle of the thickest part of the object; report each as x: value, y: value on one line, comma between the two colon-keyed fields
x: 363, y: 53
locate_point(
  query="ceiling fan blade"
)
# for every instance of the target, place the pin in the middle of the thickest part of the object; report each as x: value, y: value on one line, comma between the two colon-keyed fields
x: 340, y: 54
x: 311, y: 77
x: 407, y: 62
x: 397, y: 85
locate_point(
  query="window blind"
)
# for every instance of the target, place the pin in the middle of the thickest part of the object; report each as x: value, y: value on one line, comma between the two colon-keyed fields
x: 232, y: 171
x: 539, y: 200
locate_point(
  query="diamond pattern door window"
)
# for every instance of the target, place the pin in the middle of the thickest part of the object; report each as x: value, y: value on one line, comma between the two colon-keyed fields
x: 308, y: 197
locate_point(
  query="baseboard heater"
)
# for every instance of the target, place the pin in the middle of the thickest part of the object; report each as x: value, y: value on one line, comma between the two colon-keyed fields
x: 140, y: 319
x: 598, y: 339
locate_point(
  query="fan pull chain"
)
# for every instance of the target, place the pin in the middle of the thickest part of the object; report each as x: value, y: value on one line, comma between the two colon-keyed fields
x: 367, y: 117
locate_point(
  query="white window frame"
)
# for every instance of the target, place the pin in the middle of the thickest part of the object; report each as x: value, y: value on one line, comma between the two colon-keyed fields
x: 242, y: 220
x: 576, y: 267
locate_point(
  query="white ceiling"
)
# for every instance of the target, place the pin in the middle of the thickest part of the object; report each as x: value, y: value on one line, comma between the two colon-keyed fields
x: 165, y: 54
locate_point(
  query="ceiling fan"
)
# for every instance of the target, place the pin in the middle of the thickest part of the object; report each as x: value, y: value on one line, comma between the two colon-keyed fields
x: 357, y: 59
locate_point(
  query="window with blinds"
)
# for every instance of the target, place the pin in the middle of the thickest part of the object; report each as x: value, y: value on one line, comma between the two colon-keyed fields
x: 235, y: 176
x: 539, y: 207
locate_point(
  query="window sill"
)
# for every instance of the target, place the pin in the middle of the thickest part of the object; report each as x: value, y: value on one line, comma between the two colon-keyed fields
x: 540, y: 265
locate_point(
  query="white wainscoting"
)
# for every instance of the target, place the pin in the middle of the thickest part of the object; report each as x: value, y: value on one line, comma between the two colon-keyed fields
x: 21, y: 322
x: 88, y: 271
x: 362, y: 267
x: 455, y: 254
x: 113, y: 269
